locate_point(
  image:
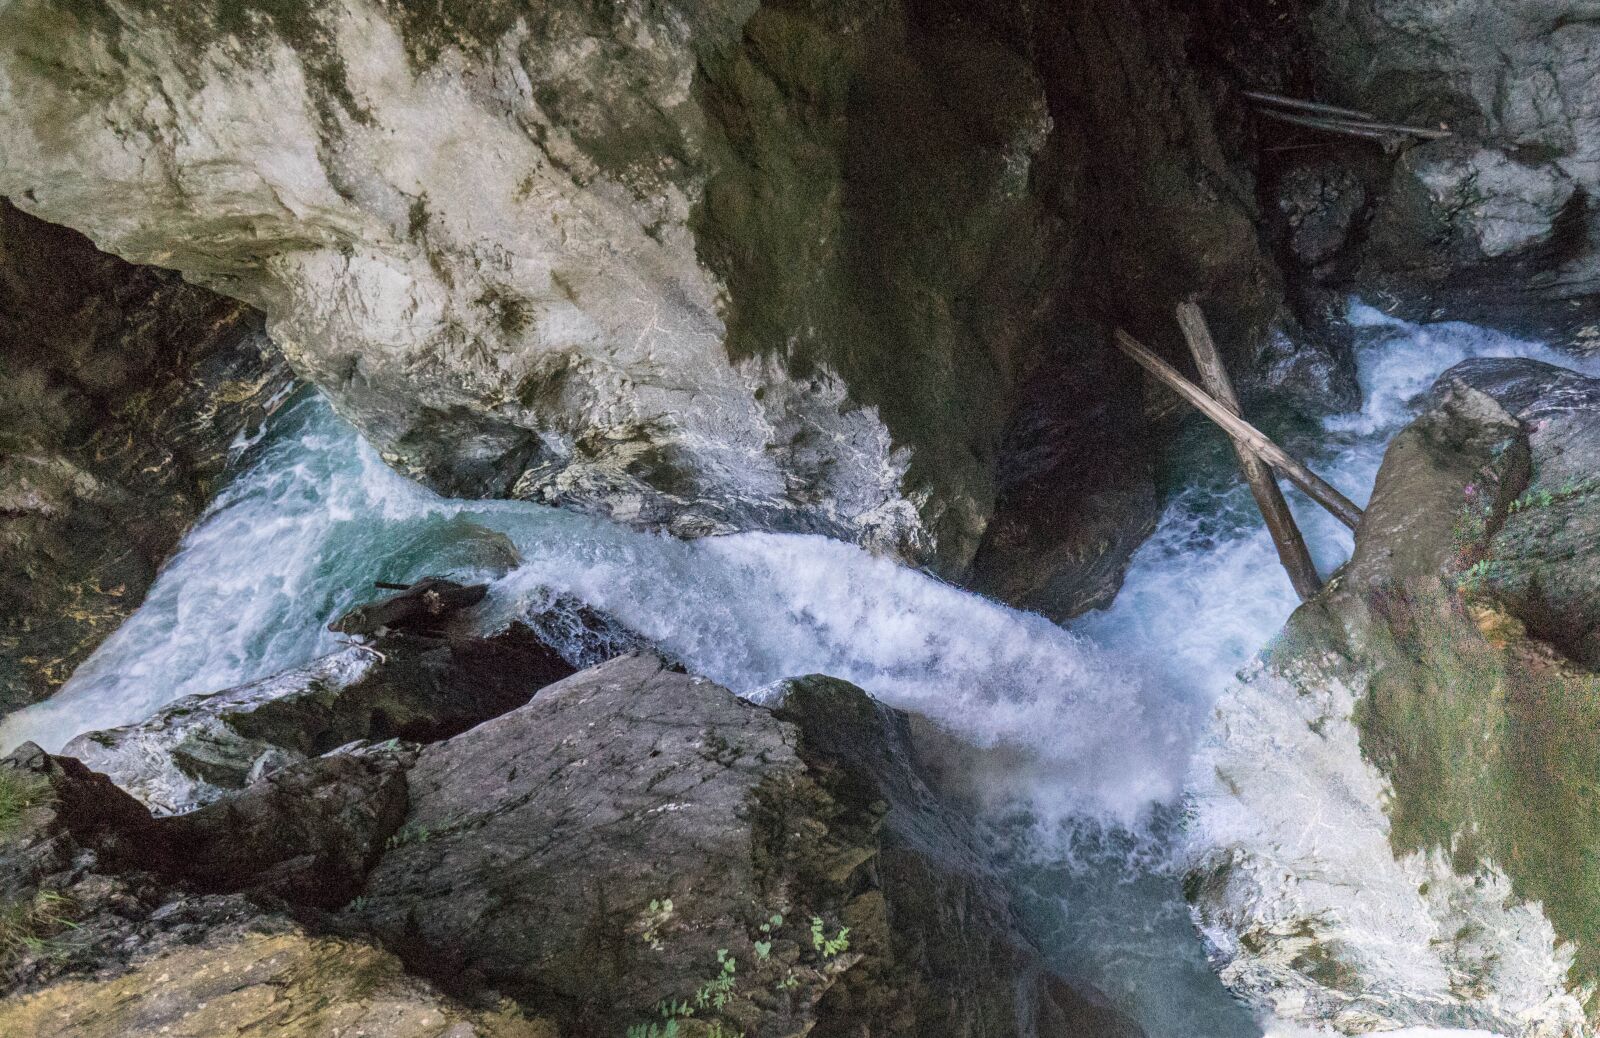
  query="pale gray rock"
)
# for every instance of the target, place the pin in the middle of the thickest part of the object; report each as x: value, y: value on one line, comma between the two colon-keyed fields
x: 696, y: 266
x: 196, y: 750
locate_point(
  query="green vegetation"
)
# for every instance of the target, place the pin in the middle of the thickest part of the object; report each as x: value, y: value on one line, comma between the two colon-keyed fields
x: 407, y: 835
x: 19, y: 791
x: 32, y: 926
x: 698, y: 1014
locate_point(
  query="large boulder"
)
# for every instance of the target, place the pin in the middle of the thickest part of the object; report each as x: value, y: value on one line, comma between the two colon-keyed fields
x: 123, y: 394
x: 635, y: 846
x: 697, y: 266
x: 636, y: 837
x: 1396, y: 825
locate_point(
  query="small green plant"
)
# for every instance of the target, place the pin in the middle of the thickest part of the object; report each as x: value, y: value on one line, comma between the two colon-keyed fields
x: 28, y: 927
x: 829, y: 947
x: 764, y: 948
x: 1475, y: 575
x: 656, y: 916
x: 1544, y: 497
x: 1541, y: 498
x: 710, y: 998
x: 408, y: 835
x: 715, y: 993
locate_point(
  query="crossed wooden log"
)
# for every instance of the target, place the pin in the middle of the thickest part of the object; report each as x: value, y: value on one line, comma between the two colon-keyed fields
x: 1258, y: 455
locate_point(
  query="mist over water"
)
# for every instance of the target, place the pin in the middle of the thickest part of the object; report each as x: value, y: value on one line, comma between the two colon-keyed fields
x: 1097, y: 722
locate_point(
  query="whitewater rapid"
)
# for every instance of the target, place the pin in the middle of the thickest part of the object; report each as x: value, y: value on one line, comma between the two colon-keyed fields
x: 1098, y: 722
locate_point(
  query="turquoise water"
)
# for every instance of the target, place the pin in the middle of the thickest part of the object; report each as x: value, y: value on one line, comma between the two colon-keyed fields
x: 1097, y: 722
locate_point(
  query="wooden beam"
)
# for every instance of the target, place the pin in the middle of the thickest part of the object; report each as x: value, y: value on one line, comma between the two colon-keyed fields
x: 1358, y: 127
x: 1286, y: 537
x: 1306, y: 106
x: 1317, y: 488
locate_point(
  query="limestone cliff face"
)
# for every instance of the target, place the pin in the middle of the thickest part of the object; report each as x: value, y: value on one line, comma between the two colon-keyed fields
x: 698, y: 266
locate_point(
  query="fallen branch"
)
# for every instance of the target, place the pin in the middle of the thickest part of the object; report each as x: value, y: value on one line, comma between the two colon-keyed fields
x: 1317, y: 488
x: 1389, y: 134
x: 1306, y: 106
x: 1292, y: 551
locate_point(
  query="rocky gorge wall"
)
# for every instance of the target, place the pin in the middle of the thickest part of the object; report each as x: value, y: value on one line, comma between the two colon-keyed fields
x: 696, y: 266
x: 122, y: 391
x: 1495, y: 224
x: 1397, y: 799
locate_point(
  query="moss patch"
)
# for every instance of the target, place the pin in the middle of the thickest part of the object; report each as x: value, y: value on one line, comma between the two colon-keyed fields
x: 1494, y: 755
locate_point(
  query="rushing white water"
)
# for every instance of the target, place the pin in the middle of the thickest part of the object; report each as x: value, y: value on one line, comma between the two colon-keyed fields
x: 1098, y: 721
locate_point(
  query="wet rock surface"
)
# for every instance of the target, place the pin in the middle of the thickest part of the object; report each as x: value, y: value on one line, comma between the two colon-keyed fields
x: 418, y: 690
x: 937, y: 912
x: 1433, y: 712
x: 122, y: 390
x: 1497, y: 223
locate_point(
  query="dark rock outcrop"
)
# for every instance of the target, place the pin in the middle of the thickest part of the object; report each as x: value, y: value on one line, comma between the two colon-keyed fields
x: 122, y: 390
x: 632, y: 838
x: 105, y: 934
x: 306, y: 834
x: 646, y: 826
x: 418, y: 690
x: 941, y: 945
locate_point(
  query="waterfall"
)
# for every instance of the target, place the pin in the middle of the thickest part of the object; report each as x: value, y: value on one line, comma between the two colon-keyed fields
x: 1093, y: 725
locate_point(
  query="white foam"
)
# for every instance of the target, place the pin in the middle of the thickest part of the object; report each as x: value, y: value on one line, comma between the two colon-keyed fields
x: 1105, y: 715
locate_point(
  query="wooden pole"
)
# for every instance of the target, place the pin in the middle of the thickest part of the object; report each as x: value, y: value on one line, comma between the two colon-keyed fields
x: 1317, y: 488
x: 1307, y: 106
x: 1274, y: 509
x: 1357, y: 127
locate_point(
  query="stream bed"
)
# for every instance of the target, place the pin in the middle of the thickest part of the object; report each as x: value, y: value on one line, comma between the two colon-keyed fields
x: 1095, y: 723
